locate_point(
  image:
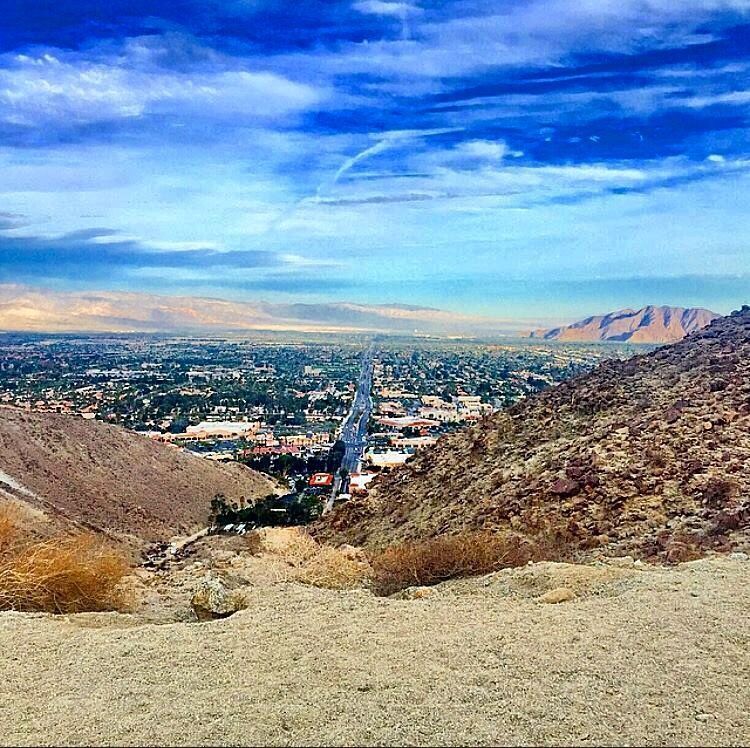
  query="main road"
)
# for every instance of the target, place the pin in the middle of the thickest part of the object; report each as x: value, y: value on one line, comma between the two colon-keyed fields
x: 354, y: 428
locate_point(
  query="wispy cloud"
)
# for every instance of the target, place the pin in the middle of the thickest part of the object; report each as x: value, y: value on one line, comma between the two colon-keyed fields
x: 402, y: 11
x: 101, y: 253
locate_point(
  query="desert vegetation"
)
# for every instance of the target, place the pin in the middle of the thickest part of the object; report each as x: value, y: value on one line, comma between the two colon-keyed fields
x: 271, y: 511
x: 67, y: 573
x: 306, y: 560
x: 434, y: 560
x: 397, y: 567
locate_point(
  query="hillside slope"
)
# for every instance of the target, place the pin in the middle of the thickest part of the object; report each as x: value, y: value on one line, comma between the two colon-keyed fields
x: 641, y: 657
x: 649, y: 455
x: 651, y: 324
x: 104, y: 477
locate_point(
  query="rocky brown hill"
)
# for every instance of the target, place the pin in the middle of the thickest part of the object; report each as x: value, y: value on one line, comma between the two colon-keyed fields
x: 62, y: 468
x: 648, y: 456
x: 652, y: 324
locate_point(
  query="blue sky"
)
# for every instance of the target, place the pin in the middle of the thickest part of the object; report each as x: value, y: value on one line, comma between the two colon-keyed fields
x: 538, y: 159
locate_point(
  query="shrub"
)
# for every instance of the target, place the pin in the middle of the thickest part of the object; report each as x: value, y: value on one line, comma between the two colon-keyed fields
x: 333, y: 569
x: 253, y: 543
x: 717, y: 493
x: 309, y: 562
x: 64, y: 574
x: 552, y: 539
x: 446, y: 557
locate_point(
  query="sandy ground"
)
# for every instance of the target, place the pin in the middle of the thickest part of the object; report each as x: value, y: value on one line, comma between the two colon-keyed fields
x: 641, y: 656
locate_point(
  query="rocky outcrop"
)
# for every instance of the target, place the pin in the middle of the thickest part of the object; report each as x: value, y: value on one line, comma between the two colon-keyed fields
x: 649, y: 456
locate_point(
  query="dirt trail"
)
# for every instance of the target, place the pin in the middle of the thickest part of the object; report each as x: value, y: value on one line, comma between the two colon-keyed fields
x: 654, y: 656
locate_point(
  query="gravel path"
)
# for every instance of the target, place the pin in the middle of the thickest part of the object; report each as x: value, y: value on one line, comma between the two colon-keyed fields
x: 657, y: 657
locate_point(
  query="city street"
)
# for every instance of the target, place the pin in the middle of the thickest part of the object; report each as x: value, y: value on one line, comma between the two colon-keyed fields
x: 354, y: 429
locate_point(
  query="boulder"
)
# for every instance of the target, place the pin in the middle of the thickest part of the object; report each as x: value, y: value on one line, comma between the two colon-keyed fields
x: 213, y: 600
x: 672, y: 415
x: 415, y: 593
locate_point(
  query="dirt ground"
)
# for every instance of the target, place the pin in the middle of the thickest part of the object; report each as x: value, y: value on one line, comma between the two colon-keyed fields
x: 640, y: 656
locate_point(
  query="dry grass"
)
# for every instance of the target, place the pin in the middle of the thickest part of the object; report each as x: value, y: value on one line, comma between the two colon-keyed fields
x: 8, y: 530
x: 427, y: 562
x: 64, y: 574
x: 446, y: 557
x: 334, y: 569
x: 309, y: 562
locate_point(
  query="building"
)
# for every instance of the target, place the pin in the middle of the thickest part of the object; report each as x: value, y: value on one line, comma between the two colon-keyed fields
x: 310, y: 439
x: 280, y: 450
x: 471, y: 407
x: 416, y: 442
x: 407, y: 422
x: 388, y: 458
x: 442, y: 415
x: 221, y: 429
x: 321, y: 480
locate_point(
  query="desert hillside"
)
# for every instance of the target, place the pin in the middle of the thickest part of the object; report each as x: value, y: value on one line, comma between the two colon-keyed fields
x: 649, y: 456
x: 651, y: 324
x: 63, y: 468
x: 641, y: 656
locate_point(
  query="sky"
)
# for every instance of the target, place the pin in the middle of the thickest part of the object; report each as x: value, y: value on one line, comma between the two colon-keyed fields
x: 542, y: 159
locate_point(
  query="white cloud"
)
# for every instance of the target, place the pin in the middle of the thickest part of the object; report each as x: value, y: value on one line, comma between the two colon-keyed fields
x: 460, y: 185
x: 69, y: 87
x: 732, y: 98
x: 490, y: 150
x: 380, y: 8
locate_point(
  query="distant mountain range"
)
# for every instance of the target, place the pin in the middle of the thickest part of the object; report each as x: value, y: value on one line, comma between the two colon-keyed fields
x: 651, y: 324
x: 25, y: 308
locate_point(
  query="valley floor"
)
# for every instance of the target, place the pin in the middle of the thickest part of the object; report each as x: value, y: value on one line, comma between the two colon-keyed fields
x: 641, y: 656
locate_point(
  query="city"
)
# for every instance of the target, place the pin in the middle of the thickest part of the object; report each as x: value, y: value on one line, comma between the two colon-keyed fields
x: 323, y: 417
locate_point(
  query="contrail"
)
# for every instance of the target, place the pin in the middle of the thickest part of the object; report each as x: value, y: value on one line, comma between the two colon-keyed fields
x: 384, y: 141
x: 350, y: 163
x: 399, y: 10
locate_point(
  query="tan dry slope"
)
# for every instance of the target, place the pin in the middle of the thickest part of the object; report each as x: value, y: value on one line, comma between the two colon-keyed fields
x: 651, y: 324
x: 648, y: 456
x: 107, y: 478
x: 651, y: 657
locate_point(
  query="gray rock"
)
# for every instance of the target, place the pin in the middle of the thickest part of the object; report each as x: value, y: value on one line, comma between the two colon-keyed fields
x: 213, y: 599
